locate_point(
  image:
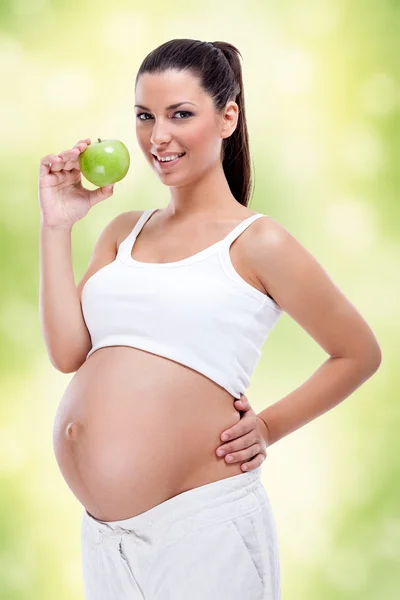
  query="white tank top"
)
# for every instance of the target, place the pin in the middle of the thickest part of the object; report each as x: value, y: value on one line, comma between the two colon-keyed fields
x: 197, y: 311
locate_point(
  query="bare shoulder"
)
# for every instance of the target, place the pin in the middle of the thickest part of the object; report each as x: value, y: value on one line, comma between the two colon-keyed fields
x: 124, y: 224
x: 302, y: 287
x: 268, y: 230
x: 264, y: 244
x: 281, y: 262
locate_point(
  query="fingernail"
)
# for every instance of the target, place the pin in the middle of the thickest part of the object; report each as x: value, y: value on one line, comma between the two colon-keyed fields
x: 224, y: 436
x: 245, y: 467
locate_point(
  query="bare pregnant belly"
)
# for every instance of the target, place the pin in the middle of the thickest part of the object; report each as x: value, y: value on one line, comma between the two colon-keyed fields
x: 134, y: 429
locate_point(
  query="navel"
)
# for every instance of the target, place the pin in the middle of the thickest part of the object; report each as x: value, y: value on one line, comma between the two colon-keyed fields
x: 72, y: 430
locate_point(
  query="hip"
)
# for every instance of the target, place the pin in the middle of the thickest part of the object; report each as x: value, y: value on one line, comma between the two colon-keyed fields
x: 218, y: 540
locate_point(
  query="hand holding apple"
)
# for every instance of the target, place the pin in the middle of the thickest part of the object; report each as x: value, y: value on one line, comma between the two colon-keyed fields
x: 62, y: 198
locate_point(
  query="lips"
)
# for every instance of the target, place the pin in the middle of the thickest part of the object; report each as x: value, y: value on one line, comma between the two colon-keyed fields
x: 181, y: 153
x: 169, y: 163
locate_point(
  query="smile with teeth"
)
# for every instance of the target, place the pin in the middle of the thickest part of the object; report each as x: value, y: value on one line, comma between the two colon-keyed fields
x: 170, y: 158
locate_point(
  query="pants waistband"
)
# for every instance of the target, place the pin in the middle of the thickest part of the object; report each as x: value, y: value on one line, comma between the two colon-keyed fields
x: 198, y: 507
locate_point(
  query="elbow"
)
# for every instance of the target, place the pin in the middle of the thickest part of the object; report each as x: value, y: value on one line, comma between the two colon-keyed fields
x: 71, y: 368
x: 372, y: 359
x: 71, y: 361
x: 67, y: 370
x: 55, y: 363
x: 378, y: 359
x: 368, y: 361
x: 66, y: 367
x: 62, y: 368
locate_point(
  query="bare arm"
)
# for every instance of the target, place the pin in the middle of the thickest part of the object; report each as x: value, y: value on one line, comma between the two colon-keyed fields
x: 64, y: 329
x: 303, y: 289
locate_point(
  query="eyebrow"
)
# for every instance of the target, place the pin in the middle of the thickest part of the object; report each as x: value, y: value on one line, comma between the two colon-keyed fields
x: 170, y: 107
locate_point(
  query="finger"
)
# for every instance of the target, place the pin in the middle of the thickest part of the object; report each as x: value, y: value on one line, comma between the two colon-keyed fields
x: 254, y: 463
x: 81, y: 146
x: 101, y: 193
x: 240, y: 443
x: 243, y: 404
x: 86, y: 142
x: 47, y: 162
x: 243, y: 455
x: 69, y: 160
x: 247, y: 423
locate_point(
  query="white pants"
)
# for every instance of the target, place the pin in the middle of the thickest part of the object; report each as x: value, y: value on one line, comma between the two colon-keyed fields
x: 214, y: 542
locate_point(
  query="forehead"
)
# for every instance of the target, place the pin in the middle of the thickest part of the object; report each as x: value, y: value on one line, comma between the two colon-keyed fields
x: 168, y: 87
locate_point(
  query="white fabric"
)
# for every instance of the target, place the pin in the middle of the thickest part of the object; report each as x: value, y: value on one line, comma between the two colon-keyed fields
x: 197, y: 311
x: 214, y: 542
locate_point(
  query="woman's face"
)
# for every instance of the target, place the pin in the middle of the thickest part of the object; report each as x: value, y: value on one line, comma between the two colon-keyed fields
x: 193, y: 127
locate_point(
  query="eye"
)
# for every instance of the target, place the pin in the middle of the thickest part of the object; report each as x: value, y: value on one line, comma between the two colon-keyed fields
x: 185, y: 112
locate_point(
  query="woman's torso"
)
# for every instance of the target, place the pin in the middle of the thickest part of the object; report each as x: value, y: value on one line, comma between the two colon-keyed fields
x: 133, y: 428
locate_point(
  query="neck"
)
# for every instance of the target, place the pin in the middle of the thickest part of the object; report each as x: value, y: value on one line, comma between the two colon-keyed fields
x: 207, y: 197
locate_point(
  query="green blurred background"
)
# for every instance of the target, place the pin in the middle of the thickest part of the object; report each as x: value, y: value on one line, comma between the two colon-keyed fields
x: 322, y: 93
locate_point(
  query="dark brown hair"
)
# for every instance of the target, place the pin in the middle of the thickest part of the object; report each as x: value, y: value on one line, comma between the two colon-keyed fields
x: 218, y: 68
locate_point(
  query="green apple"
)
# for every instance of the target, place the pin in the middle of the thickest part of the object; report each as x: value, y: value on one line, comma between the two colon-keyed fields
x: 105, y: 162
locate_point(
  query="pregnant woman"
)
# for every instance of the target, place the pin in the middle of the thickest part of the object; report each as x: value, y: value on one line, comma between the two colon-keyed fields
x: 163, y: 333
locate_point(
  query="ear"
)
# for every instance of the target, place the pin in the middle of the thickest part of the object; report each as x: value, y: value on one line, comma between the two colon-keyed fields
x: 229, y: 119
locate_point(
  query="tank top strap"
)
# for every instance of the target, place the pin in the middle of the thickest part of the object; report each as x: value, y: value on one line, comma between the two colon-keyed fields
x: 227, y: 241
x: 125, y: 246
x: 145, y: 216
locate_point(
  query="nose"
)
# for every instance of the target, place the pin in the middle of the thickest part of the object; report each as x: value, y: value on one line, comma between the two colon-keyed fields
x: 160, y: 135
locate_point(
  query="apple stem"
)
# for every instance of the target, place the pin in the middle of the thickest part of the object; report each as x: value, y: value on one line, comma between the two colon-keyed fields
x: 99, y: 140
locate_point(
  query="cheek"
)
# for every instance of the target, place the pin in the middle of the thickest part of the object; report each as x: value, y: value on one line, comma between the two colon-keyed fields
x: 199, y: 139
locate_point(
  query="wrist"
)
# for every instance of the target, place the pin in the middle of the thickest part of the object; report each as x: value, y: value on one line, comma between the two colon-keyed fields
x: 265, y: 430
x: 65, y: 229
